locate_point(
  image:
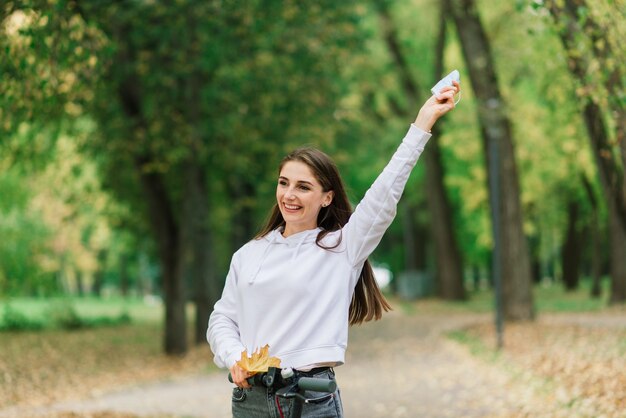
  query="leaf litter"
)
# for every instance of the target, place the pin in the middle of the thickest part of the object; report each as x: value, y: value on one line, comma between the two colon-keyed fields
x: 580, y: 369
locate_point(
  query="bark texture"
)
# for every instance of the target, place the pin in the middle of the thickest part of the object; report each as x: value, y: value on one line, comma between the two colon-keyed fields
x: 448, y: 262
x: 572, y: 28
x: 570, y: 255
x: 496, y: 127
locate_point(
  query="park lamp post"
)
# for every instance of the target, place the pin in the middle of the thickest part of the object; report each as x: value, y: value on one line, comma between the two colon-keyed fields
x: 494, y: 197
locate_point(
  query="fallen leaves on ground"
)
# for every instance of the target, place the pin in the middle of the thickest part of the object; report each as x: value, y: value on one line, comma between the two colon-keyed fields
x: 582, y: 367
x: 39, y: 368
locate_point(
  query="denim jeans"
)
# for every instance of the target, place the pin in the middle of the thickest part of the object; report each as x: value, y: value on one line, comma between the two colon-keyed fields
x: 260, y: 402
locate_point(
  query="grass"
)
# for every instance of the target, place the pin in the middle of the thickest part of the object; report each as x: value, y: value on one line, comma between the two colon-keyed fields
x: 475, y: 344
x: 60, y: 312
x: 553, y: 298
x: 549, y: 297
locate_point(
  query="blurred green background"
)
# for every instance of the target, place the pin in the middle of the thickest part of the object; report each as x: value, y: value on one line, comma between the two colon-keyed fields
x: 139, y: 143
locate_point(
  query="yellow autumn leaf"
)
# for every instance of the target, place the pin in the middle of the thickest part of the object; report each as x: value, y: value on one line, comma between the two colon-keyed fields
x: 259, y: 362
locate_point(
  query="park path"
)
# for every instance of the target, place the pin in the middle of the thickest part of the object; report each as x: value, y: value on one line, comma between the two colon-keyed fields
x: 401, y: 366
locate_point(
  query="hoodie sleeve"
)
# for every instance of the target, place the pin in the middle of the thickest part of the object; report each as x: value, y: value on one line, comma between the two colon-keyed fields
x: 378, y: 208
x: 223, y: 330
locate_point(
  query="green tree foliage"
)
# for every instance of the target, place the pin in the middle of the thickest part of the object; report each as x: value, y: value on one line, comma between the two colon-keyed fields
x: 48, y: 60
x: 23, y: 239
x: 56, y: 220
x: 194, y: 92
x: 181, y: 111
x: 590, y: 37
x: 552, y: 150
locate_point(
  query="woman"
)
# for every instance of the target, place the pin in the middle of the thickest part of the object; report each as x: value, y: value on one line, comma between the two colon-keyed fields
x: 298, y: 285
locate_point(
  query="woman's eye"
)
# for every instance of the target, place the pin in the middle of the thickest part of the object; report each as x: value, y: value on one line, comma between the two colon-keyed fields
x: 304, y: 187
x: 282, y: 182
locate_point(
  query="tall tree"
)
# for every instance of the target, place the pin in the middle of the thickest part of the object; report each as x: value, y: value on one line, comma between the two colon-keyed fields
x: 584, y: 42
x: 570, y: 253
x: 195, y: 92
x: 496, y: 127
x: 594, y: 244
x: 449, y: 267
x: 449, y: 263
x: 183, y: 94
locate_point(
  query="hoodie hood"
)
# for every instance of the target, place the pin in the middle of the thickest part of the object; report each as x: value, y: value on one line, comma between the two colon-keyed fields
x: 292, y: 244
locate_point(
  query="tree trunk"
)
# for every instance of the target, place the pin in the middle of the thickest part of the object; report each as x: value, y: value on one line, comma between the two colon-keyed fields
x: 613, y: 80
x: 197, y: 248
x: 611, y: 175
x: 448, y: 256
x: 449, y: 268
x: 594, y: 242
x: 195, y: 222
x: 618, y: 259
x: 207, y: 288
x: 596, y: 257
x: 535, y: 259
x: 172, y: 271
x: 145, y: 282
x: 243, y: 228
x: 98, y: 277
x: 124, y: 279
x: 496, y: 127
x: 597, y: 132
x: 160, y: 207
x: 570, y: 255
x: 165, y: 228
x: 80, y: 283
x: 61, y: 276
x: 413, y: 259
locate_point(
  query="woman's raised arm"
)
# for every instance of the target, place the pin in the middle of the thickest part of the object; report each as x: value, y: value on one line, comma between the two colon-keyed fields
x: 377, y: 209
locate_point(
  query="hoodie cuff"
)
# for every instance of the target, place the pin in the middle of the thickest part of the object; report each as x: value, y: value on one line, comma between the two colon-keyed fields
x: 233, y: 358
x: 416, y: 137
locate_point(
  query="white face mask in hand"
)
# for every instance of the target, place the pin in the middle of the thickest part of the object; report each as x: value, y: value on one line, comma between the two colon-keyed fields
x: 447, y: 81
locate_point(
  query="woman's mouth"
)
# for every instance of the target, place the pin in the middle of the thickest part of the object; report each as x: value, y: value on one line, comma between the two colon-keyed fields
x: 291, y: 207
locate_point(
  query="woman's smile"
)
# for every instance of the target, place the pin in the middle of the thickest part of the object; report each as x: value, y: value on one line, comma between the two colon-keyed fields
x: 291, y: 208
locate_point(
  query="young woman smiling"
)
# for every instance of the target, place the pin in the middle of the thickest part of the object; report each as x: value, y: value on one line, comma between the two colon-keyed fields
x: 305, y: 277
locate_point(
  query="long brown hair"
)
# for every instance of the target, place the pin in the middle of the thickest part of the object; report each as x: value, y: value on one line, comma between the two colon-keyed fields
x: 368, y: 302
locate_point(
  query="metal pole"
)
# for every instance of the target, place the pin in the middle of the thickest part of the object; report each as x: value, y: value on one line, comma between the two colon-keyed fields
x: 496, y: 262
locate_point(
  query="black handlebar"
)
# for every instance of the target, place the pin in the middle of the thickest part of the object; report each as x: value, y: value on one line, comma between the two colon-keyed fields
x: 315, y: 384
x: 256, y: 380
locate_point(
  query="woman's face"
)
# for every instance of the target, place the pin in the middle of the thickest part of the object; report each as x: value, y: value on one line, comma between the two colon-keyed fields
x: 300, y: 197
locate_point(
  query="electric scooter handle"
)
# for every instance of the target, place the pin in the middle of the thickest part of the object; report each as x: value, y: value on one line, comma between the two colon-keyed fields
x: 304, y: 383
x: 256, y: 380
x: 317, y: 384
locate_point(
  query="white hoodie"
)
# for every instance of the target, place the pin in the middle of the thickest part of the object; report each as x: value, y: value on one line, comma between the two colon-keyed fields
x: 294, y: 295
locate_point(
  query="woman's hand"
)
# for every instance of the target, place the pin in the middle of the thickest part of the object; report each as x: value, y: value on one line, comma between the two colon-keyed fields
x: 239, y: 376
x: 436, y: 106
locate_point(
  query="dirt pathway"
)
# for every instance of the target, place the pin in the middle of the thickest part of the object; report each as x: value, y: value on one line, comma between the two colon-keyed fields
x: 407, y: 368
x: 402, y: 366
